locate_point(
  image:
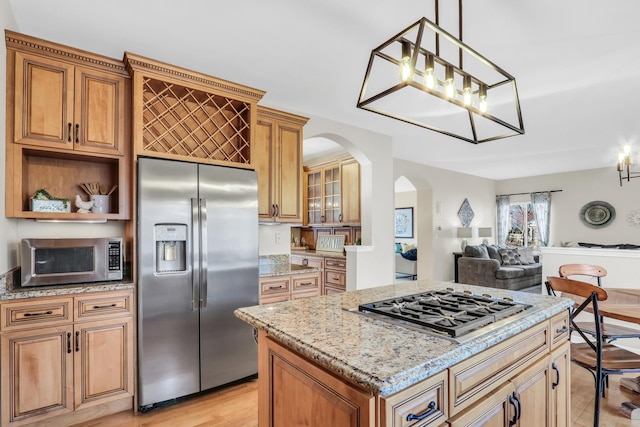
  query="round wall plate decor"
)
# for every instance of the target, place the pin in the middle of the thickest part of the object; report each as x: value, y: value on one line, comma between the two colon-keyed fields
x: 597, y: 214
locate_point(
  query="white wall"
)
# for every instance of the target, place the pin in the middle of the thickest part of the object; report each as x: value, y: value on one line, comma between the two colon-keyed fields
x: 578, y: 189
x: 8, y: 233
x: 440, y: 194
x: 274, y: 239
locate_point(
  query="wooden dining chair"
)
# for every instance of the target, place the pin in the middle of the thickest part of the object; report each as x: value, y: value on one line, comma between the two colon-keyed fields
x: 610, y: 332
x: 598, y: 356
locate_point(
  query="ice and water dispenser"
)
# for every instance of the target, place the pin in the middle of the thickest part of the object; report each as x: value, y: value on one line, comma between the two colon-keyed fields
x: 171, y: 248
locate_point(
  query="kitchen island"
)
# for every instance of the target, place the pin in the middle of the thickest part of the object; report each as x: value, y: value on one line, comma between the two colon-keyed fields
x: 321, y: 363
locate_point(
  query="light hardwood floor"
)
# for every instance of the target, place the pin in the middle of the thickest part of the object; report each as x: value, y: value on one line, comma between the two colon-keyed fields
x: 237, y: 406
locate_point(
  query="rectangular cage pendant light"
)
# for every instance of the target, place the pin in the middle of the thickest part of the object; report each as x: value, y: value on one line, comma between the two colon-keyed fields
x: 418, y: 77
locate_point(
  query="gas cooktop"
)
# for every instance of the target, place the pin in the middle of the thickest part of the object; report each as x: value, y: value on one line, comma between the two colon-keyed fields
x: 446, y: 312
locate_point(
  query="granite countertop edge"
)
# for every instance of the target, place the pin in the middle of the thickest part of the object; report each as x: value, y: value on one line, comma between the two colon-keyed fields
x: 286, y: 270
x: 65, y: 290
x: 391, y: 363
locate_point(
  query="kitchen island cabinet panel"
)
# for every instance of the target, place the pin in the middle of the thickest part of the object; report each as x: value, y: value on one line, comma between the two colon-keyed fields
x: 494, y: 411
x: 300, y: 393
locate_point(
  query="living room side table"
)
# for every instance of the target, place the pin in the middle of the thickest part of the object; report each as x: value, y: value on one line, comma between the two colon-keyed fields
x: 456, y: 255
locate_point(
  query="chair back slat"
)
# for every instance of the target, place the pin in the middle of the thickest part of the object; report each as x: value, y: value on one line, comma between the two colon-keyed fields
x: 589, y: 270
x: 576, y: 287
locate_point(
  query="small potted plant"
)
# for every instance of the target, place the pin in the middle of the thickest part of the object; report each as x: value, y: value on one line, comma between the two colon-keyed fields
x: 42, y: 201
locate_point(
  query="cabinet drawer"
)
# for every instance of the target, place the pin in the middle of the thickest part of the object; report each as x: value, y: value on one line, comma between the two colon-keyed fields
x: 477, y: 376
x: 274, y: 286
x: 334, y: 277
x: 103, y: 305
x: 307, y: 261
x: 335, y: 263
x: 306, y: 283
x: 559, y: 329
x: 30, y: 314
x: 330, y: 290
x: 274, y: 298
x: 426, y: 399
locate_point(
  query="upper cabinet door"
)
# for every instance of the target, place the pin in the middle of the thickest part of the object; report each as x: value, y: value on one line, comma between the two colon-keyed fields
x: 290, y: 160
x: 263, y: 162
x: 43, y: 101
x: 99, y: 112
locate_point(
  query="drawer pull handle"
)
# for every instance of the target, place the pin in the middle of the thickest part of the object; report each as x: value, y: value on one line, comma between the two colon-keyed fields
x: 77, y: 340
x: 430, y: 410
x: 101, y: 307
x: 562, y: 330
x: 513, y: 421
x: 275, y: 287
x: 68, y: 342
x: 77, y: 133
x: 43, y: 313
x: 69, y: 133
x: 306, y: 283
x: 336, y: 278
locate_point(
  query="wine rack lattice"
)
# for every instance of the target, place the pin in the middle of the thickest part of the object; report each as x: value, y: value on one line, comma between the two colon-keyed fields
x: 192, y: 123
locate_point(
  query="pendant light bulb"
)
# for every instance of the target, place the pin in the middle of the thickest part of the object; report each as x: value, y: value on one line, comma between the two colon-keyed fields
x: 483, y: 98
x: 405, y: 62
x: 449, y: 86
x: 429, y: 74
x: 627, y: 154
x: 466, y: 90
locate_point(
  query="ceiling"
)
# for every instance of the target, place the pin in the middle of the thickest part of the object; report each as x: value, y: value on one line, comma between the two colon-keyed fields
x: 575, y: 63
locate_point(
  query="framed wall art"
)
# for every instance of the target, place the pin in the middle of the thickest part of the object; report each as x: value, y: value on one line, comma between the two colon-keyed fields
x: 404, y: 223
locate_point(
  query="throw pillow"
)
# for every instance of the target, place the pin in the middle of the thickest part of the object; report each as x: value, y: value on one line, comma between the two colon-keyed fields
x: 509, y: 256
x: 493, y: 253
x: 406, y: 247
x: 526, y: 255
x: 398, y: 248
x: 411, y: 254
x: 479, y: 251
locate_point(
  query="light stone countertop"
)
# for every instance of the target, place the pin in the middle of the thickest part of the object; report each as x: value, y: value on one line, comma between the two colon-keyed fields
x: 382, y: 357
x: 285, y: 270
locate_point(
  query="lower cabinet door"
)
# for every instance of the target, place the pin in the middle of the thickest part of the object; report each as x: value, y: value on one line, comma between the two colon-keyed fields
x: 560, y: 387
x: 533, y: 391
x: 497, y: 410
x: 103, y: 361
x: 37, y: 374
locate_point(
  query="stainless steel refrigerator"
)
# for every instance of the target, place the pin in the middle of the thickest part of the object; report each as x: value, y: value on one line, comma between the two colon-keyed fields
x: 197, y: 255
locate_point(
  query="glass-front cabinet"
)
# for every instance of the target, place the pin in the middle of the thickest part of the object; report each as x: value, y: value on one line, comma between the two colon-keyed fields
x: 326, y: 198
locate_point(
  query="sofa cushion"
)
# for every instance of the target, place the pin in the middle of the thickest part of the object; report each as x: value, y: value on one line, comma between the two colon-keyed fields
x: 526, y: 255
x: 411, y: 254
x: 406, y: 247
x: 509, y: 256
x: 509, y: 273
x: 531, y: 269
x: 476, y: 251
x: 492, y: 250
x: 398, y: 248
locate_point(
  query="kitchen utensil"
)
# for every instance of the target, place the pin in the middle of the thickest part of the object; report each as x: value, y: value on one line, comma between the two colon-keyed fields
x: 84, y: 187
x: 112, y: 189
x: 103, y: 189
x: 94, y: 187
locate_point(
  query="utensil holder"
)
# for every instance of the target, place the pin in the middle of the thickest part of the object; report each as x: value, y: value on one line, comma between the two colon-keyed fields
x: 100, y: 203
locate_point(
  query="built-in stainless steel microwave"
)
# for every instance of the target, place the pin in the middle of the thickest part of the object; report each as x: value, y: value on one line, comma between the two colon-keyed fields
x: 66, y: 261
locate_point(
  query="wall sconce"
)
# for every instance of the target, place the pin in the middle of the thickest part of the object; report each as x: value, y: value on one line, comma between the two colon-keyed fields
x: 485, y: 232
x: 464, y: 233
x: 624, y: 165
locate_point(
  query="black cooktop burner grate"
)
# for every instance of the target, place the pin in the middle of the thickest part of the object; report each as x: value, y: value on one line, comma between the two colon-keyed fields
x: 451, y: 312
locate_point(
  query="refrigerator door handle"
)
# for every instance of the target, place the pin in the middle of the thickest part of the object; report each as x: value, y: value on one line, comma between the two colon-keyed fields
x: 195, y: 252
x: 203, y: 253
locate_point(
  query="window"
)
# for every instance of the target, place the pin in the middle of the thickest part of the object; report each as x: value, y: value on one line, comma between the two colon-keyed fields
x: 522, y: 225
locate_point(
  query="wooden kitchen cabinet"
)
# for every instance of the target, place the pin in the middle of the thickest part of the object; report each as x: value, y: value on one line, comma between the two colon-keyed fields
x: 509, y: 384
x: 332, y: 194
x: 335, y: 275
x: 82, y: 351
x: 61, y: 105
x: 68, y: 122
x: 306, y: 394
x: 288, y: 287
x: 278, y: 162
